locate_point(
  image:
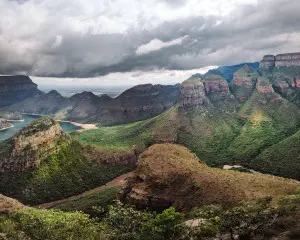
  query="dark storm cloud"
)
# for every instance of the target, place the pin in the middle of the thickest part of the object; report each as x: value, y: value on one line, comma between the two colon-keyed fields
x: 185, y: 42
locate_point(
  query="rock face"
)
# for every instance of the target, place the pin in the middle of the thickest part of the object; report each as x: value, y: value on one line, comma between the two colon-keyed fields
x: 264, y: 86
x: 243, y: 82
x: 268, y: 61
x: 31, y: 145
x: 281, y: 60
x: 192, y: 94
x: 287, y: 60
x: 16, y: 88
x: 217, y: 89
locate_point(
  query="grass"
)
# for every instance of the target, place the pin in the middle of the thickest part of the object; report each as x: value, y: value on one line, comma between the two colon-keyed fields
x: 281, y: 159
x: 128, y: 136
x: 100, y: 198
x: 175, y: 174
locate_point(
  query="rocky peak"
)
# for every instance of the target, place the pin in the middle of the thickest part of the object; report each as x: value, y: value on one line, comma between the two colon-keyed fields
x: 192, y: 94
x: 31, y: 145
x: 268, y: 61
x: 243, y: 82
x: 54, y: 93
x: 263, y: 85
x: 216, y: 88
x: 84, y: 96
x: 215, y: 83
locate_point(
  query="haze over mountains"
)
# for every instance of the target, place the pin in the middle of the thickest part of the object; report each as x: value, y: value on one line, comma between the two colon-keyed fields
x: 176, y: 139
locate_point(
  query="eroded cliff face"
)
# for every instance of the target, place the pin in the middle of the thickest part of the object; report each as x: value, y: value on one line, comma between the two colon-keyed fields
x: 16, y: 88
x: 31, y: 145
x: 264, y: 86
x: 281, y: 60
x: 192, y: 94
x: 243, y: 83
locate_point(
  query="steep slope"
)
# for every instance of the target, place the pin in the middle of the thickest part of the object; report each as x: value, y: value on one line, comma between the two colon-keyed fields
x: 137, y: 103
x: 281, y: 159
x: 243, y: 83
x: 43, y: 104
x: 16, y: 88
x: 227, y: 72
x: 170, y: 175
x: 24, y: 151
x: 42, y: 164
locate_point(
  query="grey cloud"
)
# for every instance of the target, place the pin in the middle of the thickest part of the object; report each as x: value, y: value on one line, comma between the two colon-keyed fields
x: 245, y: 35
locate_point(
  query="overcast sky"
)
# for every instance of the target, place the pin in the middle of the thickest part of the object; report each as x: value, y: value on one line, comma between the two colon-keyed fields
x: 138, y: 41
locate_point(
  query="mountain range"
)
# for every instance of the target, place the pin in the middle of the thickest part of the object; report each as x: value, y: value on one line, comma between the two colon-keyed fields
x: 172, y: 143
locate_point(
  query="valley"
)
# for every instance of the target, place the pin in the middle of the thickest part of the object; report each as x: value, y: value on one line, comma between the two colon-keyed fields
x: 159, y: 152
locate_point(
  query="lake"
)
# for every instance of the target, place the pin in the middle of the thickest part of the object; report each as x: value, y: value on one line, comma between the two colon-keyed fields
x: 66, y: 127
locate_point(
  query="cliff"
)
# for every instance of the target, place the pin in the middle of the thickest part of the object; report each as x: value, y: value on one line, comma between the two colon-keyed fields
x: 32, y: 144
x: 281, y: 60
x: 16, y: 88
x: 192, y: 94
x: 264, y: 86
x: 243, y: 82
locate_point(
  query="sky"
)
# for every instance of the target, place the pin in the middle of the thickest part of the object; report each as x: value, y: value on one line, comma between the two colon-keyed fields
x: 128, y: 42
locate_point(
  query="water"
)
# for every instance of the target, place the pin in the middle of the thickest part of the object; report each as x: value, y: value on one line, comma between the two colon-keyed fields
x: 66, y: 127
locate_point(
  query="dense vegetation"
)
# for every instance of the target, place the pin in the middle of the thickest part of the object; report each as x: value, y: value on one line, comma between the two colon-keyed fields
x: 60, y: 175
x: 252, y: 220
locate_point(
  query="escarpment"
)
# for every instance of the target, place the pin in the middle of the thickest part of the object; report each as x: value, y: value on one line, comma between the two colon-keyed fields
x: 32, y: 144
x: 281, y: 60
x: 16, y: 88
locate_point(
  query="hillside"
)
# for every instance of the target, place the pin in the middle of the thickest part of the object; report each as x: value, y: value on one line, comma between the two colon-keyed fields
x: 14, y: 89
x: 235, y: 123
x: 137, y: 103
x: 41, y: 164
x: 170, y: 175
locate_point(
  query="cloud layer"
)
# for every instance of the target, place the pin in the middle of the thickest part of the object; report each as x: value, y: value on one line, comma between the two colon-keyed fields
x: 79, y: 38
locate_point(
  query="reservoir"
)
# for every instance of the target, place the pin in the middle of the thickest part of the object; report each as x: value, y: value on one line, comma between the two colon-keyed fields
x: 4, y: 134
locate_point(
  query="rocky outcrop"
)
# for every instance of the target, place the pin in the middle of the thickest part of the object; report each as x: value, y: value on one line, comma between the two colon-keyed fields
x: 263, y: 85
x: 32, y: 144
x: 217, y: 89
x: 268, y: 61
x: 243, y: 82
x: 16, y: 88
x: 281, y: 60
x: 192, y: 94
x: 287, y: 60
